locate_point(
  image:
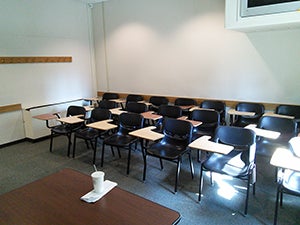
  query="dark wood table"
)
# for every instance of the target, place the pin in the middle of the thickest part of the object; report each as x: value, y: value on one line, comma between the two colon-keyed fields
x: 55, y: 199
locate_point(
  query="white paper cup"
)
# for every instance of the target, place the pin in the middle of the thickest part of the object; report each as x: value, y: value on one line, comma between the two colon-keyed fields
x: 98, y: 181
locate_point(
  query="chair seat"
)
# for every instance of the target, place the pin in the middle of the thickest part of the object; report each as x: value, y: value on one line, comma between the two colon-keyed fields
x: 226, y: 165
x: 266, y: 148
x: 166, y: 151
x: 120, y: 140
x: 245, y: 121
x: 199, y: 133
x: 292, y: 182
x: 88, y: 133
x: 62, y: 129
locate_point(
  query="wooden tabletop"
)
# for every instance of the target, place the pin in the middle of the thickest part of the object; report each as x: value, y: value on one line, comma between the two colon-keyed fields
x: 91, y: 99
x: 278, y: 115
x: 147, y: 133
x: 55, y: 199
x: 71, y: 120
x: 240, y: 113
x: 88, y: 107
x: 102, y: 125
x: 263, y: 132
x: 195, y: 123
x: 119, y: 100
x: 199, y: 108
x: 284, y: 158
x: 146, y: 103
x: 203, y: 143
x: 46, y: 116
x: 151, y: 116
x: 185, y: 107
x: 117, y: 111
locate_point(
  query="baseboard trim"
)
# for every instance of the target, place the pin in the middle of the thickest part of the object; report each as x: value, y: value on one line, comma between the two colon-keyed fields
x: 12, y: 143
x: 37, y: 139
x: 24, y: 140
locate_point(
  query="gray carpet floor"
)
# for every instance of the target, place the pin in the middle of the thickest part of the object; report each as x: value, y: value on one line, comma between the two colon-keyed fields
x: 222, y: 203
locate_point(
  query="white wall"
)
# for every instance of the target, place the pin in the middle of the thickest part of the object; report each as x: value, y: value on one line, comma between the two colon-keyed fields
x: 181, y: 48
x: 43, y: 28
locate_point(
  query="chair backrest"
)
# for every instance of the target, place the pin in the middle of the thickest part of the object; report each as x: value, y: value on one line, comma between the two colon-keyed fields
x: 209, y: 118
x: 216, y: 105
x: 99, y: 114
x: 290, y: 110
x: 185, y: 101
x: 136, y: 107
x: 158, y: 100
x: 177, y: 132
x: 75, y: 110
x: 242, y: 121
x: 243, y: 140
x: 286, y: 127
x: 295, y: 145
x: 258, y: 108
x: 107, y: 104
x: 170, y: 111
x: 129, y: 122
x: 110, y: 95
x: 134, y: 98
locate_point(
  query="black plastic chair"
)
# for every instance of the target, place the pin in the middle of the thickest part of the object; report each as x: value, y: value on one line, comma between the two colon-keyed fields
x: 185, y: 102
x: 107, y: 104
x: 210, y: 121
x: 110, y: 95
x: 242, y: 121
x: 287, y: 128
x: 290, y: 110
x: 167, y: 111
x: 288, y: 181
x: 134, y: 98
x: 177, y: 136
x: 216, y: 105
x: 136, y: 107
x: 127, y: 122
x: 243, y: 165
x: 68, y: 129
x: 157, y: 101
x: 90, y: 134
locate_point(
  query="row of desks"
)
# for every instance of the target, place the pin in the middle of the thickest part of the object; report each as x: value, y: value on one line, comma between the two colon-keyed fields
x: 134, y: 208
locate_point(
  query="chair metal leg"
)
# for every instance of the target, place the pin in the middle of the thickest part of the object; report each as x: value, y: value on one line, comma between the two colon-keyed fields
x: 247, y: 195
x: 69, y: 144
x: 191, y: 165
x: 102, y: 154
x: 119, y: 153
x: 161, y: 164
x: 95, y: 150
x: 87, y: 144
x: 112, y: 151
x: 145, y: 166
x: 281, y: 199
x: 74, y: 145
x: 276, y: 205
x: 128, y: 160
x: 51, y: 141
x: 200, y: 183
x: 177, y: 174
